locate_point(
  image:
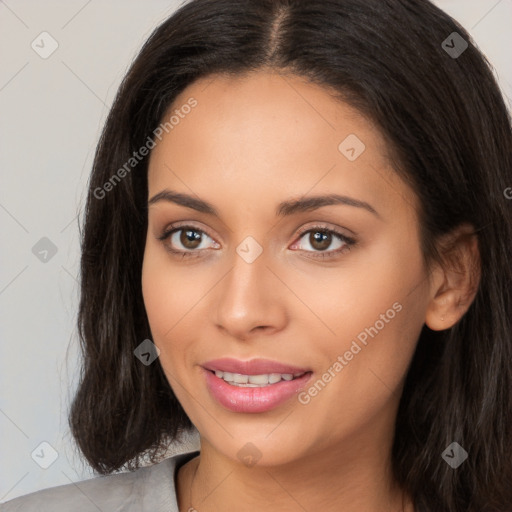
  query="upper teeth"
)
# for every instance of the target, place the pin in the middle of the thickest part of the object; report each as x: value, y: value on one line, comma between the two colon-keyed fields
x: 238, y: 379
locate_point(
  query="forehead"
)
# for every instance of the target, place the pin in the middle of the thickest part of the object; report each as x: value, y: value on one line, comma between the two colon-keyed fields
x: 268, y: 107
x: 271, y: 134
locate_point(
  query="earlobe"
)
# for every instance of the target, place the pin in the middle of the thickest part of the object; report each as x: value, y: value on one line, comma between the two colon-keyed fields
x: 441, y: 314
x: 456, y: 284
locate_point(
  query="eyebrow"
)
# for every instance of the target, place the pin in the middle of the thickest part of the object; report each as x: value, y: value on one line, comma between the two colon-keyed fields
x: 284, y: 208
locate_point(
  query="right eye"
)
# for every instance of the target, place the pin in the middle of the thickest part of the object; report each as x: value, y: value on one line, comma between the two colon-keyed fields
x: 185, y: 240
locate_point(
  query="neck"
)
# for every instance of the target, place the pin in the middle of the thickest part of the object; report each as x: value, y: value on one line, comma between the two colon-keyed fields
x: 357, y: 476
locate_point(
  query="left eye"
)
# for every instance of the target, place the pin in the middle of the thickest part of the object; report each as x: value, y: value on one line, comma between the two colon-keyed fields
x: 320, y: 239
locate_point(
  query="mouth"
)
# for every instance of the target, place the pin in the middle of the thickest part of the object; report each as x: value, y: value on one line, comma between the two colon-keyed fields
x: 253, y: 367
x: 254, y: 386
x: 255, y: 381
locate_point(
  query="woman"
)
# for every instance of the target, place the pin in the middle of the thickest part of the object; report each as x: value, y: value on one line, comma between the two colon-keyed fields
x: 297, y: 240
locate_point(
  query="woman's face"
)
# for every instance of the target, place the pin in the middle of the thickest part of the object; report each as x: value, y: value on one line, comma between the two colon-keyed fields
x: 267, y: 276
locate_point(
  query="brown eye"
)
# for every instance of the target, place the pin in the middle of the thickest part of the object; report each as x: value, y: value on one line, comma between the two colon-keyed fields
x: 190, y: 238
x: 320, y: 240
x: 187, y: 241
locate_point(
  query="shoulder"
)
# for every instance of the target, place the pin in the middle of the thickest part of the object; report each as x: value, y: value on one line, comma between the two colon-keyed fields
x: 148, y: 489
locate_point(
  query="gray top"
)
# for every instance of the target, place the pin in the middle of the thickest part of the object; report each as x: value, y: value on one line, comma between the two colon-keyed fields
x: 148, y: 489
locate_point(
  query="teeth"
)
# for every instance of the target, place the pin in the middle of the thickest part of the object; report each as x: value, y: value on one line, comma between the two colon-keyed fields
x: 259, y: 379
x: 255, y: 381
x: 274, y: 377
x: 242, y: 379
x: 228, y: 376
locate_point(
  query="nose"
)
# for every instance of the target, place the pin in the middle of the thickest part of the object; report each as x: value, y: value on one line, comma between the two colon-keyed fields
x: 251, y: 300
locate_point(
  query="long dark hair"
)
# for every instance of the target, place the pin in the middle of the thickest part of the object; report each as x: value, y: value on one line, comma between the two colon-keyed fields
x: 449, y: 133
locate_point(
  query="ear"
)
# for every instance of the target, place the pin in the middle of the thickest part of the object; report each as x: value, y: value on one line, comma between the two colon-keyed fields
x: 455, y: 279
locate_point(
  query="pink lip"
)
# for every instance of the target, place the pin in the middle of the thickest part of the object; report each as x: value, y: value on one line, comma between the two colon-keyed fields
x: 253, y: 400
x: 252, y: 367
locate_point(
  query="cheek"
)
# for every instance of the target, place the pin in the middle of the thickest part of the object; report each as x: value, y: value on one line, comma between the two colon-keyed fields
x: 352, y: 297
x: 378, y: 316
x: 175, y: 296
x: 376, y: 299
x: 158, y: 297
x: 167, y: 294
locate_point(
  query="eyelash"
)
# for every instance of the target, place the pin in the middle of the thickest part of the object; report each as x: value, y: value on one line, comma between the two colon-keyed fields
x: 348, y: 241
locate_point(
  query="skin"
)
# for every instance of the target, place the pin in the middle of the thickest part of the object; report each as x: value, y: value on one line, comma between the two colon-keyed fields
x: 251, y: 142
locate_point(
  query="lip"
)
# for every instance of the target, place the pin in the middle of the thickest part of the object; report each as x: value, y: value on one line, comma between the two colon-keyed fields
x: 253, y: 400
x: 251, y: 367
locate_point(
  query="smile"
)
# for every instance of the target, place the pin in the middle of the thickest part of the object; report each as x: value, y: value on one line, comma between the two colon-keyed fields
x: 255, y: 381
x: 256, y: 393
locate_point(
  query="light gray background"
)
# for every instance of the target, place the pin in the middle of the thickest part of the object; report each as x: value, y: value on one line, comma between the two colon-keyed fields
x: 52, y: 111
